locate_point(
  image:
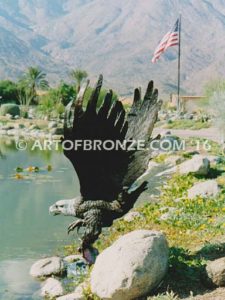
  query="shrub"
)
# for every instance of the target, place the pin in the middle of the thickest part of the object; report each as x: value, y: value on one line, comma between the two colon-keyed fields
x: 46, y: 105
x: 12, y: 109
x: 8, y: 92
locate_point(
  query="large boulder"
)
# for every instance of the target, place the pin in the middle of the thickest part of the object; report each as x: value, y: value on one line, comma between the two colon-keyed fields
x: 198, y: 165
x: 216, y: 271
x: 208, y: 188
x: 52, y: 288
x: 134, y: 265
x: 47, y: 267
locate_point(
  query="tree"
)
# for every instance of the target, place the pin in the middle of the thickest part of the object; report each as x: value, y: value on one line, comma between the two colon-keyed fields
x: 64, y: 93
x: 54, y: 101
x: 78, y: 75
x: 46, y: 105
x: 34, y: 79
x: 8, y: 92
x: 23, y: 93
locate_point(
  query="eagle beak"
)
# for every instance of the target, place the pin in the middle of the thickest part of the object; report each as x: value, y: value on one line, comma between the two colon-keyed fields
x: 53, y: 210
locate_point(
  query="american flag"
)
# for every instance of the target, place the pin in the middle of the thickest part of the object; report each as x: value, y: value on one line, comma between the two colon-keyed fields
x: 169, y: 40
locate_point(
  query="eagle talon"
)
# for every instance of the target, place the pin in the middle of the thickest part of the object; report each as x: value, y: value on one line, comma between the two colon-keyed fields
x: 73, y: 225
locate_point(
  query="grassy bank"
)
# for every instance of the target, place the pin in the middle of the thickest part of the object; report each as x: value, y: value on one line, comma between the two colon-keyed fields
x: 194, y: 229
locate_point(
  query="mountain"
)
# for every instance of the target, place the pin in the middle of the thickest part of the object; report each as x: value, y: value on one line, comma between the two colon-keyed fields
x: 116, y: 38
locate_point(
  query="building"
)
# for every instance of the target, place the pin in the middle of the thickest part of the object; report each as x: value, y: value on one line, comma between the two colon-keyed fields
x: 187, y: 103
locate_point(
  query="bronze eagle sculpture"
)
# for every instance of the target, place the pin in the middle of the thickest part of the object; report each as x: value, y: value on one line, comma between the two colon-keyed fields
x: 107, y: 175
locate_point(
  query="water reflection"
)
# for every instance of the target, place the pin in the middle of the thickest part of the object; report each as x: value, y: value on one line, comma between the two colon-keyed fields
x: 15, y: 280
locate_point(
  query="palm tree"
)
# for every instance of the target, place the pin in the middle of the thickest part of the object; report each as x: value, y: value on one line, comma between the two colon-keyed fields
x: 78, y: 75
x: 35, y: 79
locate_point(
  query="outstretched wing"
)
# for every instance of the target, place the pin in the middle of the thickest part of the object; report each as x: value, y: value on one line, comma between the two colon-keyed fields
x: 141, y: 120
x: 99, y: 169
x: 90, y: 137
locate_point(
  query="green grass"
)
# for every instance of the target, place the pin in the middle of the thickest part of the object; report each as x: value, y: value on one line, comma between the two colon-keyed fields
x: 192, y: 224
x: 160, y: 158
x: 187, y: 124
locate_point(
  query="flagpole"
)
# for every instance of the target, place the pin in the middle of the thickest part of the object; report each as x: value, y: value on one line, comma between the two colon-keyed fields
x: 178, y: 79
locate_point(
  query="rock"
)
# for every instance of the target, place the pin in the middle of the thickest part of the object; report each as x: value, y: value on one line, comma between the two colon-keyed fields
x: 19, y: 126
x: 129, y: 217
x: 13, y: 132
x: 3, y: 132
x: 168, y: 214
x: 34, y: 127
x: 133, y: 266
x: 78, y: 293
x: 9, y: 116
x: 152, y: 164
x: 174, y: 160
x: 72, y: 296
x: 52, y: 288
x: 31, y: 113
x: 52, y: 124
x: 77, y: 269
x: 212, y: 158
x: 167, y: 143
x: 198, y: 165
x: 216, y: 271
x: 7, y: 127
x: 55, y: 137
x: 47, y: 267
x: 72, y: 258
x: 206, y: 189
x: 191, y: 153
x: 56, y: 131
x: 34, y: 133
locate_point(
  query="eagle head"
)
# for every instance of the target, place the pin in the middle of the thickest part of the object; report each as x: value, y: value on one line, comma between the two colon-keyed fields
x: 64, y: 207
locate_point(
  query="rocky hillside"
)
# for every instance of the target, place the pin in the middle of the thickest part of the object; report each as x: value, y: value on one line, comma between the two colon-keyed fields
x: 116, y: 38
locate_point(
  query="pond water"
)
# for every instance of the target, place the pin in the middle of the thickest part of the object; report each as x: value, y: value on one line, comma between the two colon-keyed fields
x: 27, y: 231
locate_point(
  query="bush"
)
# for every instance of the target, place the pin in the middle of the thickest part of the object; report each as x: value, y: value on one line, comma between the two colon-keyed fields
x: 8, y: 92
x: 12, y: 109
x: 64, y: 93
x: 46, y: 105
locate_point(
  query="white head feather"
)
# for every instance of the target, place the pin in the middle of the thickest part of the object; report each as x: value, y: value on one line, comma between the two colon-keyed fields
x: 63, y: 207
